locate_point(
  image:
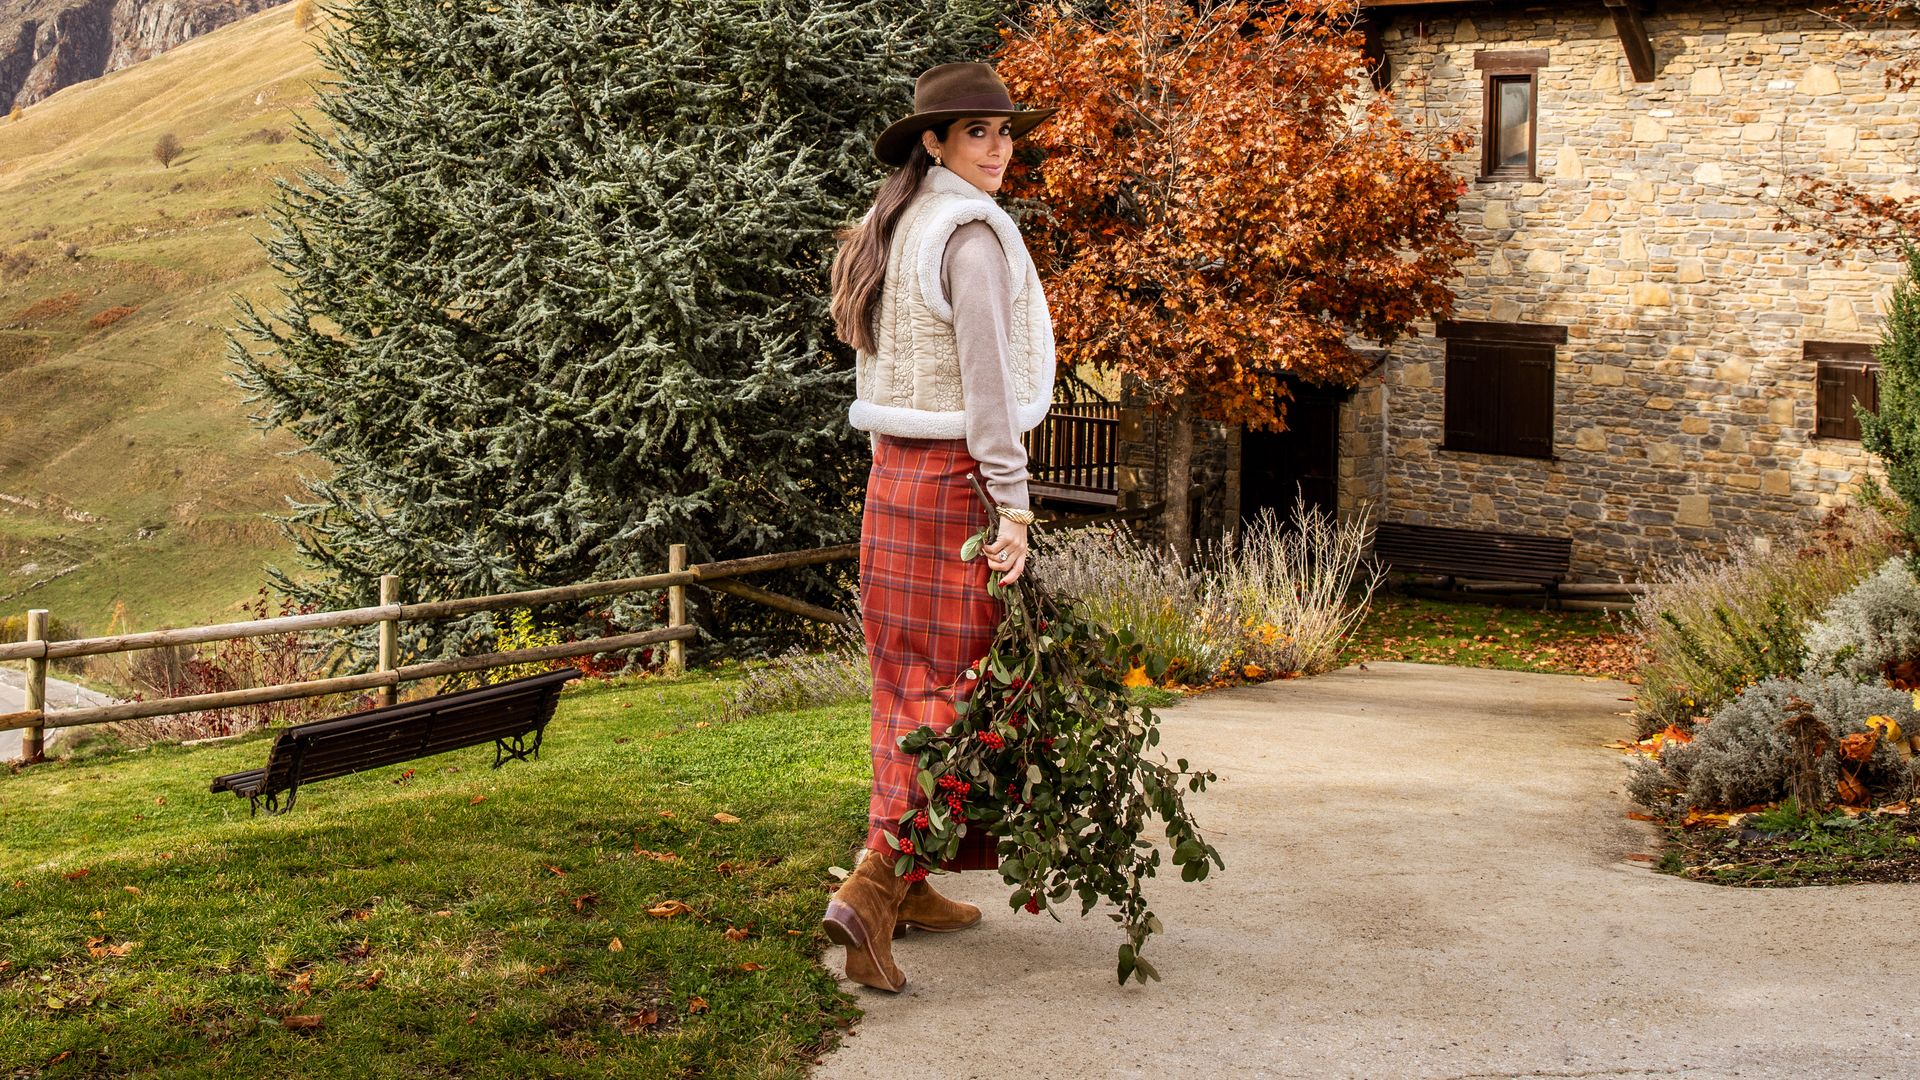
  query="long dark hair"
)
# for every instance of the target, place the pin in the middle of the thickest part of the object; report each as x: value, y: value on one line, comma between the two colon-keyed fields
x: 860, y: 266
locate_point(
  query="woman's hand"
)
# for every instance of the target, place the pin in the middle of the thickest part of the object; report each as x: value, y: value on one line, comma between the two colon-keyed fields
x: 1008, y: 551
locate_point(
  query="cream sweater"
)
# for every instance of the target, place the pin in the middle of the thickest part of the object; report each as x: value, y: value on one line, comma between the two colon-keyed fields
x: 937, y: 371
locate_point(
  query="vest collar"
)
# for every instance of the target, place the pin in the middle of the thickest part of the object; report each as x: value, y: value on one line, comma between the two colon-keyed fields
x: 941, y: 178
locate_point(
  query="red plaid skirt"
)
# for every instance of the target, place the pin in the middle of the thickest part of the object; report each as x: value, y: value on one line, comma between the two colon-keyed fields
x: 927, y: 617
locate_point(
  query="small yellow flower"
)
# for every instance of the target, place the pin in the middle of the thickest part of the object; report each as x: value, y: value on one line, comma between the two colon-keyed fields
x: 1137, y: 676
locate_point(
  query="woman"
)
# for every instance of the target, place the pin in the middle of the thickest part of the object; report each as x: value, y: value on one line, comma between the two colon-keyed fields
x: 937, y: 294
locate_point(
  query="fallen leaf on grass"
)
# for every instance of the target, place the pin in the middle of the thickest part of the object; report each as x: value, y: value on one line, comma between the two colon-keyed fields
x: 556, y: 871
x: 736, y: 933
x: 724, y: 818
x: 1898, y: 809
x: 1851, y: 791
x: 795, y: 933
x: 1638, y: 816
x: 444, y: 912
x: 584, y: 901
x: 656, y: 856
x: 404, y: 777
x: 76, y: 875
x: 838, y: 873
x: 60, y: 1057
x: 302, y: 986
x: 373, y: 980
x: 134, y: 889
x: 666, y: 813
x: 667, y: 909
x: 639, y: 1021
x: 726, y: 869
x: 615, y: 946
x: 96, y: 950
x: 696, y: 1004
x: 476, y: 800
x: 301, y: 1023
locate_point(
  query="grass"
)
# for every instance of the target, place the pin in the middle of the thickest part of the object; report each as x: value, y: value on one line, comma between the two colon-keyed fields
x: 135, y: 475
x: 1786, y: 845
x: 440, y: 919
x: 1508, y: 636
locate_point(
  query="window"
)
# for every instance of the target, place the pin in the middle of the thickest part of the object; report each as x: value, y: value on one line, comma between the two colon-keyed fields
x: 1499, y: 387
x: 1510, y: 113
x: 1844, y: 372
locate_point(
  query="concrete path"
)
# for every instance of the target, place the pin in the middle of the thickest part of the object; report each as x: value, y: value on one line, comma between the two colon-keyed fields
x: 1425, y: 877
x: 60, y: 694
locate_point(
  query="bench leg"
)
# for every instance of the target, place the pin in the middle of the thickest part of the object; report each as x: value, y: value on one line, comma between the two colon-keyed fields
x: 517, y: 749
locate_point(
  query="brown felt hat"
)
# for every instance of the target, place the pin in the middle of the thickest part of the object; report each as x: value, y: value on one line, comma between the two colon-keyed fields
x: 948, y: 92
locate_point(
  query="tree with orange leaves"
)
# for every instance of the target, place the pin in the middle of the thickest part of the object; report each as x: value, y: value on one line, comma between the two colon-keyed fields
x: 1227, y: 202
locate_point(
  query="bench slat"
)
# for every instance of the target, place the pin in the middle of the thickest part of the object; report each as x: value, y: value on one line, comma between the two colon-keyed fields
x: 1474, y: 553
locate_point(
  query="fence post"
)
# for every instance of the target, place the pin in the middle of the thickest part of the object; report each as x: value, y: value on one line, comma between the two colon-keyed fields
x: 676, y: 610
x: 33, y: 741
x: 389, y: 637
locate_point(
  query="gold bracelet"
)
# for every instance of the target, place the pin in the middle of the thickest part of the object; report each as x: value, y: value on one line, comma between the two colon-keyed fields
x: 1015, y: 514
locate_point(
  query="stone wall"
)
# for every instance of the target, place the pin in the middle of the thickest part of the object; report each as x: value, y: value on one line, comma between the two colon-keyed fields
x: 1684, y: 409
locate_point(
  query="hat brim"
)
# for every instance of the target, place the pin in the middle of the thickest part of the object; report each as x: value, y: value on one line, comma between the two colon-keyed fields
x: 895, y: 143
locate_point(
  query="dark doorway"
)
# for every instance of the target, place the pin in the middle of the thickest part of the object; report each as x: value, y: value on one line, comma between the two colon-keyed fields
x: 1303, y: 462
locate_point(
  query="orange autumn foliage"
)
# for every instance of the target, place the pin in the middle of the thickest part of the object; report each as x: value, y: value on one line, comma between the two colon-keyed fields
x: 1226, y: 199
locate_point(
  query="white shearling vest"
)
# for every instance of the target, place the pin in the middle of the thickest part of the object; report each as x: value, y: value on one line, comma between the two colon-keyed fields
x: 909, y: 385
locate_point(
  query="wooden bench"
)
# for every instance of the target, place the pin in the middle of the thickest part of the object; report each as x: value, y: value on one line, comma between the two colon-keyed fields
x: 505, y: 714
x: 1473, y: 553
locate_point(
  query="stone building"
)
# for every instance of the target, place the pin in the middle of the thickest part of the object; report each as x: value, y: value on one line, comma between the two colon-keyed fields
x: 1639, y: 359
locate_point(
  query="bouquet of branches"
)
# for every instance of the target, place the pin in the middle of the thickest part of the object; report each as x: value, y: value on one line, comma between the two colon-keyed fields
x: 1048, y: 755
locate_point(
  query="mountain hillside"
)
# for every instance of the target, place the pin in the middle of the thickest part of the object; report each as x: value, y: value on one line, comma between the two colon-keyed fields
x: 46, y: 45
x: 129, y: 473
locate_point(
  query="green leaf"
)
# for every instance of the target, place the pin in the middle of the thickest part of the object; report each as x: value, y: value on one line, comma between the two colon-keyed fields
x: 972, y: 547
x: 926, y: 784
x: 892, y: 840
x: 901, y: 865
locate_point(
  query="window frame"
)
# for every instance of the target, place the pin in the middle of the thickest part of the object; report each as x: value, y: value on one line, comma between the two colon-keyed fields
x: 1845, y: 357
x: 1504, y: 66
x: 1500, y: 345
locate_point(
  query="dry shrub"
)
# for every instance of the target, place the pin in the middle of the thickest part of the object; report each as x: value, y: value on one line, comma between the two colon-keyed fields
x: 798, y: 679
x: 270, y: 136
x: 17, y: 265
x: 1127, y: 582
x: 52, y: 307
x: 1713, y: 627
x: 111, y: 315
x: 222, y: 666
x: 1293, y: 586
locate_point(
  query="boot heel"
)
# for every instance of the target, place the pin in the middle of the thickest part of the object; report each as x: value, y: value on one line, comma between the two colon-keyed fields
x: 843, y: 926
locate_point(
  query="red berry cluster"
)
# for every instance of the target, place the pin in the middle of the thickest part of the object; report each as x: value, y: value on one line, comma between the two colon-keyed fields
x: 916, y: 874
x: 992, y: 740
x: 906, y: 847
x: 1033, y: 906
x: 1016, y: 719
x: 920, y: 821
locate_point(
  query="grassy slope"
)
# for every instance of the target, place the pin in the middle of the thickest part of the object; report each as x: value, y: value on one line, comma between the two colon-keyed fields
x: 132, y: 428
x: 465, y: 908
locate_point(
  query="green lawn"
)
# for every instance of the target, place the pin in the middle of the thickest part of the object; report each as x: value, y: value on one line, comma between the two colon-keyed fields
x: 1477, y: 634
x: 443, y: 920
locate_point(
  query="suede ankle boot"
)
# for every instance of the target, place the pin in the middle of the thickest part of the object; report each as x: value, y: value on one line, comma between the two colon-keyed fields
x: 861, y: 917
x: 924, y: 909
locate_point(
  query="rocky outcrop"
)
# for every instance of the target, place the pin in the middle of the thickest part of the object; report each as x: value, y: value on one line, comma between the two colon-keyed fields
x: 46, y: 45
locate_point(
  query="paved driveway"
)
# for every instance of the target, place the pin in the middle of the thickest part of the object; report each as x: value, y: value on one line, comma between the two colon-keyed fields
x: 1426, y: 877
x: 13, y: 698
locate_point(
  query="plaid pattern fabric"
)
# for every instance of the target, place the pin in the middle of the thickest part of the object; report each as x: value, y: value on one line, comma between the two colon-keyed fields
x: 926, y: 613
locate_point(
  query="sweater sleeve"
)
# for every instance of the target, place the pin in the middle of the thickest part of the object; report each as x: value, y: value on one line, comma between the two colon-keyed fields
x: 974, y: 275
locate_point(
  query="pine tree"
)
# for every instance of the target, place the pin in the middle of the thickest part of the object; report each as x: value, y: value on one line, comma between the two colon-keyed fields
x: 557, y: 297
x: 1893, y: 432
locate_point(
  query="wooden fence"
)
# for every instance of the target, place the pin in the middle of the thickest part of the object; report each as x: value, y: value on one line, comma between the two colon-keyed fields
x: 388, y: 674
x: 389, y: 613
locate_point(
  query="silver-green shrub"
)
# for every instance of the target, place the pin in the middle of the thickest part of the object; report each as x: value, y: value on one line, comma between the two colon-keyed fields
x: 1873, y: 625
x: 1741, y: 756
x: 1713, y: 626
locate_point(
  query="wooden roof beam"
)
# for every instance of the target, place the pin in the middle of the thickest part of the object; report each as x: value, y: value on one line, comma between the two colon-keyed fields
x: 1633, y: 37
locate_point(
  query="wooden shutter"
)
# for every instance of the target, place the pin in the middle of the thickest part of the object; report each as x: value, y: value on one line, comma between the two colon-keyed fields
x: 1526, y: 401
x: 1472, y: 395
x: 1844, y: 372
